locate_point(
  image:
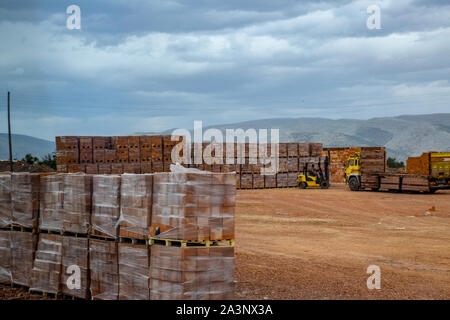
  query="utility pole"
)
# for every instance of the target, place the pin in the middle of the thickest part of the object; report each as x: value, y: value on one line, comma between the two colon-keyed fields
x: 9, y: 133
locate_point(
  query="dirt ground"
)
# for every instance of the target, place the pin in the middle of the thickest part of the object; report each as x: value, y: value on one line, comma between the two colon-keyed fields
x: 317, y: 244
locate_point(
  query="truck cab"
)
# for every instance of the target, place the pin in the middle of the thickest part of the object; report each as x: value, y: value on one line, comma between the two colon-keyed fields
x: 352, y: 175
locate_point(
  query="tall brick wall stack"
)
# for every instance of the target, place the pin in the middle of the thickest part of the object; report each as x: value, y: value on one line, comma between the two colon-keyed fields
x: 102, y: 224
x: 148, y: 154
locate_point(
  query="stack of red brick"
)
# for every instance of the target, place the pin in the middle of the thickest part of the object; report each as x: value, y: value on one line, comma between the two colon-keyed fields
x: 100, y: 227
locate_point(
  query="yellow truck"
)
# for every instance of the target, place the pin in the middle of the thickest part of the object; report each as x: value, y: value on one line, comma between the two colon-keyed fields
x: 427, y: 173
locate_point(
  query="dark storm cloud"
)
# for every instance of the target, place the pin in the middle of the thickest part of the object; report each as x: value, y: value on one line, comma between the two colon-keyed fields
x: 150, y: 65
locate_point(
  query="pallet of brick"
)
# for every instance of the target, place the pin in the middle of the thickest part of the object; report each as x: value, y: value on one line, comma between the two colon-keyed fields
x: 246, y: 181
x: 303, y: 149
x: 66, y: 143
x: 292, y: 179
x: 77, y: 203
x: 91, y: 168
x: 178, y: 273
x: 25, y: 199
x: 157, y: 147
x: 104, y: 168
x: 86, y: 150
x: 5, y: 257
x: 100, y: 143
x: 75, y: 252
x: 282, y: 150
x: 418, y: 165
x: 74, y: 168
x: 105, y: 205
x: 270, y: 181
x: 315, y: 149
x: 67, y: 150
x: 238, y: 180
x: 283, y: 164
x: 146, y: 167
x: 258, y: 181
x: 121, y: 147
x: 132, y: 168
x: 390, y: 182
x: 292, y: 164
x: 5, y: 200
x: 116, y: 168
x: 157, y: 165
x: 282, y: 180
x: 134, y: 154
x: 193, y: 206
x: 373, y: 160
x: 23, y: 245
x: 134, y: 272
x: 51, y: 202
x: 412, y: 182
x: 292, y: 149
x: 99, y: 156
x: 46, y: 272
x: 369, y: 181
x: 104, y: 270
x: 110, y: 156
x: 135, y: 205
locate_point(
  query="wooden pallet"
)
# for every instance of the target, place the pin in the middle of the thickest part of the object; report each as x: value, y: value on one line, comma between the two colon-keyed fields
x: 132, y: 240
x: 16, y: 227
x: 189, y: 243
x: 53, y: 295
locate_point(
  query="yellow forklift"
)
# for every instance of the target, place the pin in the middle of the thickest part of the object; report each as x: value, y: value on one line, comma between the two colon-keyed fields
x: 314, y: 176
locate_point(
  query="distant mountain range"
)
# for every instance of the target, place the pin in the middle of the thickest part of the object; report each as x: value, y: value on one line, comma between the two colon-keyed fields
x: 403, y: 136
x: 22, y: 144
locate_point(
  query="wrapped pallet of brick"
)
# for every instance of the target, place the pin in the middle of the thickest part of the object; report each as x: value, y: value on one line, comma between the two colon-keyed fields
x: 5, y: 200
x: 45, y: 276
x: 292, y: 179
x: 270, y: 181
x: 373, y: 160
x: 179, y: 273
x: 282, y: 180
x: 134, y: 272
x: 77, y: 203
x: 105, y: 205
x: 75, y: 253
x: 258, y: 181
x: 135, y: 205
x: 316, y: 149
x: 246, y: 181
x: 5, y: 257
x: 303, y: 149
x: 193, y: 206
x: 51, y: 202
x: 25, y: 199
x: 23, y: 245
x: 104, y: 270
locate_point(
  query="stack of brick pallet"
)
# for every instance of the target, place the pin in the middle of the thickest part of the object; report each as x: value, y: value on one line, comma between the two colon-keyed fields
x: 373, y: 160
x: 100, y: 227
x: 338, y: 158
x: 148, y: 154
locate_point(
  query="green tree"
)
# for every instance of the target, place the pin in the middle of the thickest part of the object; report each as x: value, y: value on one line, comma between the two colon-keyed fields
x: 393, y: 163
x: 30, y: 159
x: 49, y: 160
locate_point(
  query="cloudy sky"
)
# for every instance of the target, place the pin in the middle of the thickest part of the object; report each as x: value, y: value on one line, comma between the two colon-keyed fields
x: 138, y: 65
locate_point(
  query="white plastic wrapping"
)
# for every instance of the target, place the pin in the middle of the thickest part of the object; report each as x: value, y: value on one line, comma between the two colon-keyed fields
x: 134, y: 272
x: 77, y: 203
x: 45, y: 276
x: 75, y: 253
x: 5, y: 200
x: 104, y: 270
x: 5, y: 257
x: 51, y: 202
x: 135, y: 205
x: 105, y: 205
x: 25, y: 199
x: 22, y: 255
x: 179, y: 273
x: 195, y: 205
